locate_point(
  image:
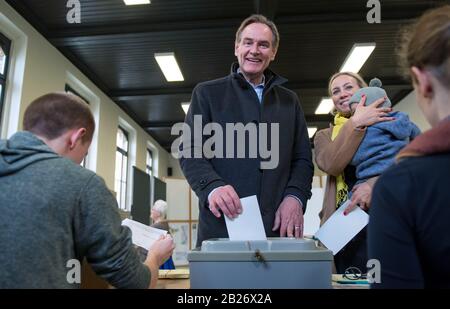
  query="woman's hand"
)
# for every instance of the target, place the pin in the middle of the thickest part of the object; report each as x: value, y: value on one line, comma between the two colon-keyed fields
x: 361, y: 195
x: 365, y: 116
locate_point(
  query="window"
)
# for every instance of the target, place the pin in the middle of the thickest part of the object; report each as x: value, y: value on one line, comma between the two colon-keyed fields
x: 5, y: 44
x: 70, y: 90
x: 120, y: 185
x: 149, y: 162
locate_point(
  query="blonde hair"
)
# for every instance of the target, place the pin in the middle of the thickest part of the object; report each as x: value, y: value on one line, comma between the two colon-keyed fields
x: 359, y: 80
x: 426, y: 45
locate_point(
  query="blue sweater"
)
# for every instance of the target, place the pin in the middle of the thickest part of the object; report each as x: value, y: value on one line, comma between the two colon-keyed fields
x: 381, y: 144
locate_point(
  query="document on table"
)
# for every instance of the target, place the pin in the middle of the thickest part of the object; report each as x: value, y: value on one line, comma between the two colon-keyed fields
x: 338, y: 230
x: 143, y: 235
x: 248, y: 225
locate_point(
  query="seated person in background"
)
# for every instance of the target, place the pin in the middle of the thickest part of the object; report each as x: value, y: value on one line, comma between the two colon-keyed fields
x: 54, y: 211
x: 409, y: 231
x: 383, y: 140
x: 159, y: 217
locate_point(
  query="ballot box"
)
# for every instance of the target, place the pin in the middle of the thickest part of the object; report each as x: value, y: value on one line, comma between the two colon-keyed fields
x: 276, y: 263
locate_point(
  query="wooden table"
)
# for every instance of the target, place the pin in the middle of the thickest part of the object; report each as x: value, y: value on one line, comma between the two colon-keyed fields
x: 179, y: 279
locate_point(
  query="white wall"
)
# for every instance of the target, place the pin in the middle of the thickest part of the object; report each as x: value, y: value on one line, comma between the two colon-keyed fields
x: 45, y: 70
x: 409, y: 106
x: 182, y: 223
x: 176, y: 169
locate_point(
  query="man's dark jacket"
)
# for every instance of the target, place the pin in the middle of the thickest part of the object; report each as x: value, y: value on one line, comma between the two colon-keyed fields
x: 233, y: 100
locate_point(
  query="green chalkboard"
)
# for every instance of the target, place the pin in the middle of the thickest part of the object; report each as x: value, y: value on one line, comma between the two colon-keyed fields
x: 159, y: 189
x: 140, y: 208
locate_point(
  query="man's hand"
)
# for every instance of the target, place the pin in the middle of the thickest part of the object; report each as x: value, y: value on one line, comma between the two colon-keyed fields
x: 290, y: 216
x: 362, y: 194
x: 162, y: 249
x: 226, y: 199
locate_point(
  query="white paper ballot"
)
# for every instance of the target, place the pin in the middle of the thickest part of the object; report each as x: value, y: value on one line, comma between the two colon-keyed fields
x: 338, y: 230
x: 248, y: 225
x: 143, y: 235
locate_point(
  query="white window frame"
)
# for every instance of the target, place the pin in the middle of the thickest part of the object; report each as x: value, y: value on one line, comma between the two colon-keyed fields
x: 6, y: 49
x: 94, y: 104
x: 132, y: 135
x: 14, y: 81
x: 124, y: 153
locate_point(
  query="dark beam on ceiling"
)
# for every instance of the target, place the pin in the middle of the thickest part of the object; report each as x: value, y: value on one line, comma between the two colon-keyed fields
x: 155, y: 125
x: 30, y: 16
x: 142, y: 94
x: 128, y: 111
x: 84, y: 69
x: 400, y: 95
x: 267, y: 8
x: 135, y: 94
x: 110, y: 34
x: 79, y: 35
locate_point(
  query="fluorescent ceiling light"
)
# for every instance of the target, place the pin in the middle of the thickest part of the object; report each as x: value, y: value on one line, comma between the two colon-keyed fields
x: 311, y: 131
x: 169, y: 66
x: 358, y: 55
x: 325, y: 106
x: 185, y: 106
x: 135, y: 2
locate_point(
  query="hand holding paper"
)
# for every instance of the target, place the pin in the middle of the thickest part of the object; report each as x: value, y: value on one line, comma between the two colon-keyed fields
x: 226, y: 199
x: 142, y: 235
x: 338, y: 230
x: 248, y: 225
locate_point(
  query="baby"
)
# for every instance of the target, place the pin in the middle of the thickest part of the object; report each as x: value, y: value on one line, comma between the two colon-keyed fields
x: 383, y: 140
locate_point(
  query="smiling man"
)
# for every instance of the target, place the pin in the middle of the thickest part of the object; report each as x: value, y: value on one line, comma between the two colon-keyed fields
x: 251, y: 94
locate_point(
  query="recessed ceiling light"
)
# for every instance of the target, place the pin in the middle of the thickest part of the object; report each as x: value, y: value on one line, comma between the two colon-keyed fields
x: 135, y: 2
x: 325, y: 106
x: 358, y: 55
x: 185, y: 106
x: 169, y: 66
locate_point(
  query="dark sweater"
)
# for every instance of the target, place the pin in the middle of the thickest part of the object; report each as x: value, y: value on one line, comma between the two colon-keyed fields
x: 53, y: 211
x: 409, y: 229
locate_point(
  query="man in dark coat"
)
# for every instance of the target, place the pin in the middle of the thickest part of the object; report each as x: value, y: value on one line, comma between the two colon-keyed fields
x: 250, y: 100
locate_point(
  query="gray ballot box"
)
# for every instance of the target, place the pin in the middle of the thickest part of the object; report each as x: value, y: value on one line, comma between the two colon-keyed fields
x: 275, y: 263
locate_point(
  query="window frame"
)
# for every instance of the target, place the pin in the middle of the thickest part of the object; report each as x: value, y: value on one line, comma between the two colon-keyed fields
x: 147, y: 167
x: 5, y: 44
x: 69, y: 89
x: 124, y: 153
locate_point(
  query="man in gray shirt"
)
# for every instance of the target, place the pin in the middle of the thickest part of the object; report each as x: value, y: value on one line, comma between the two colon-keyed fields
x: 54, y: 212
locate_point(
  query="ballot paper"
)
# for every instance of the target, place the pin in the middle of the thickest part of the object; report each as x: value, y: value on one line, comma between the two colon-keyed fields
x: 338, y: 230
x: 143, y: 235
x: 248, y: 225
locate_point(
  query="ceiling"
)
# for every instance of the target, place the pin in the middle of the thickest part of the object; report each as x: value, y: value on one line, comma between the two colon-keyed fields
x: 114, y: 46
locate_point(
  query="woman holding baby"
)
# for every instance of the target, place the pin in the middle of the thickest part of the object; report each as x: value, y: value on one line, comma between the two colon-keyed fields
x: 334, y: 148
